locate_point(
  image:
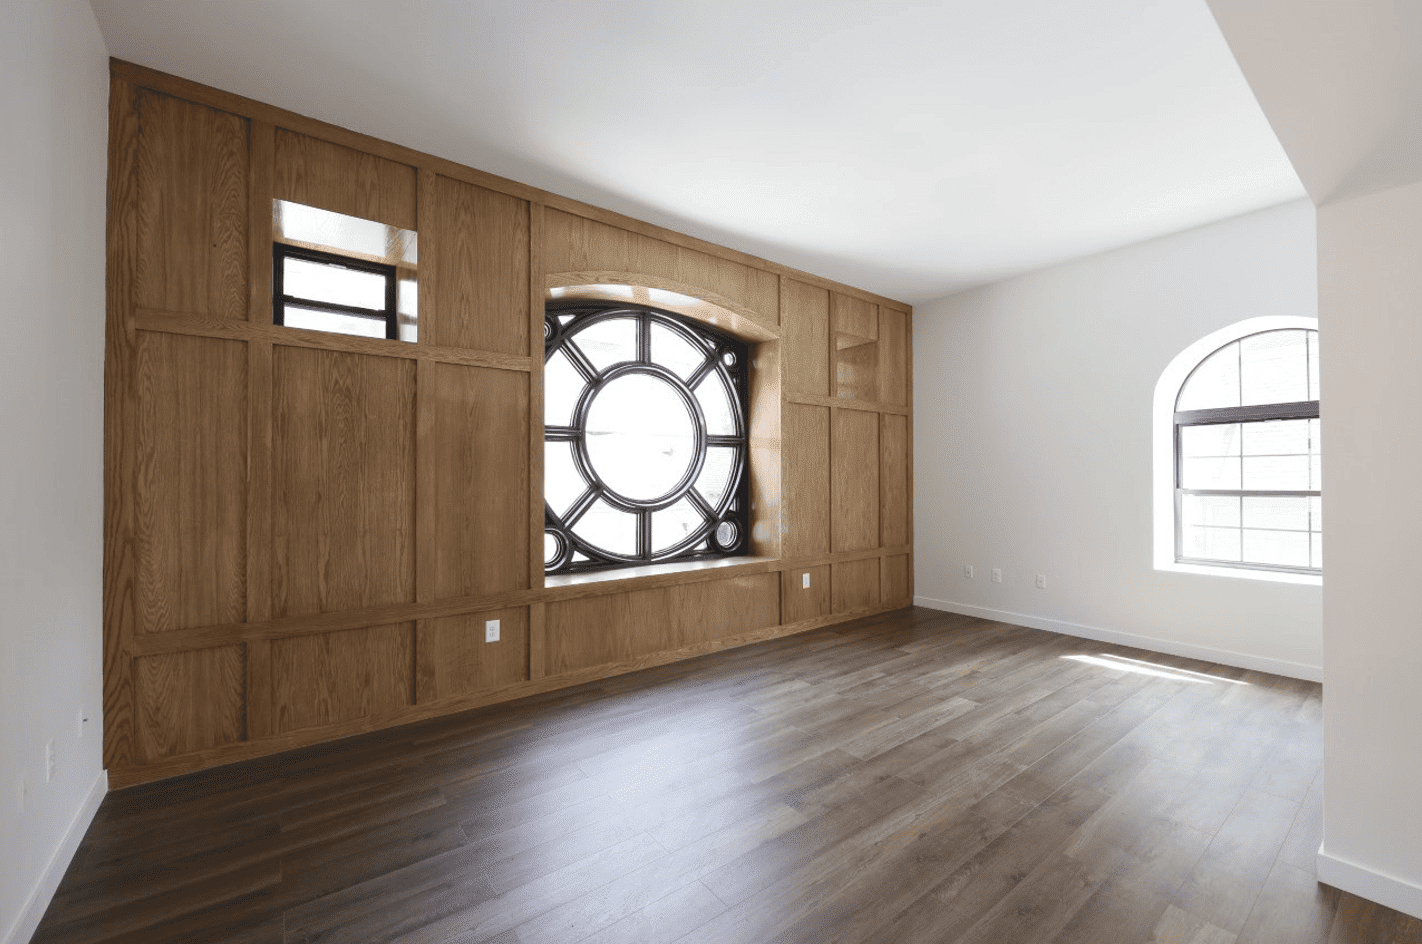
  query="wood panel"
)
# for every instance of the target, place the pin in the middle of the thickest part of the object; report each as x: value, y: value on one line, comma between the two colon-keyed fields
x: 191, y: 208
x: 577, y: 244
x: 321, y: 174
x: 192, y: 482
x: 335, y: 677
x: 715, y: 609
x: 855, y: 480
x: 190, y: 701
x: 798, y: 602
x: 893, y: 480
x: 893, y: 357
x: 474, y: 481
x: 453, y: 659
x: 805, y: 326
x: 343, y: 469
x: 898, y: 579
x: 856, y: 368
x: 805, y: 471
x: 855, y: 584
x: 480, y: 250
x: 854, y: 317
x: 592, y: 631
x: 766, y: 496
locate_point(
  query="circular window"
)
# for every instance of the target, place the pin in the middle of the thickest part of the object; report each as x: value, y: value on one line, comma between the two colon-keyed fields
x: 646, y: 437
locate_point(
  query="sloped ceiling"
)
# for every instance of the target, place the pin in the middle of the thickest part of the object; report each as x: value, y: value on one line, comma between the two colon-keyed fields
x: 910, y: 148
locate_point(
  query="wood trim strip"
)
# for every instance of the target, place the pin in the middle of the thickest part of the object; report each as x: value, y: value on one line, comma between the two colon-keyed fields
x: 261, y: 167
x: 148, y: 319
x: 765, y: 330
x: 845, y: 403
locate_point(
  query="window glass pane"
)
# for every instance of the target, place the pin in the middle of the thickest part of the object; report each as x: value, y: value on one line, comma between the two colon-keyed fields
x: 1316, y: 540
x: 1315, y: 513
x: 715, y: 478
x: 675, y: 353
x: 1315, y: 473
x: 562, y: 385
x: 608, y: 342
x: 1274, y: 367
x: 1212, y: 510
x: 716, y: 406
x: 1313, y: 365
x: 641, y: 437
x: 1210, y: 473
x: 321, y: 282
x: 674, y: 524
x: 1315, y: 436
x: 1276, y: 473
x: 337, y: 322
x: 1221, y: 544
x: 1276, y: 438
x: 1215, y: 383
x: 407, y: 309
x: 1276, y: 512
x: 1220, y: 439
x: 563, y: 484
x: 609, y: 528
x: 348, y: 235
x: 1283, y: 548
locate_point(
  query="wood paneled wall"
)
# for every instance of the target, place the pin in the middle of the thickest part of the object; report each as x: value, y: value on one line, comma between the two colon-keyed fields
x: 305, y: 533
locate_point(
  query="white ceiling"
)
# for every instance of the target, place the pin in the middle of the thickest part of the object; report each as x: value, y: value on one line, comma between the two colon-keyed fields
x: 910, y: 148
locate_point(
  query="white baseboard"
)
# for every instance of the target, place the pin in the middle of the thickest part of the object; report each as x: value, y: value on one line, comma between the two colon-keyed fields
x: 48, y: 883
x: 1298, y: 670
x: 1389, y: 890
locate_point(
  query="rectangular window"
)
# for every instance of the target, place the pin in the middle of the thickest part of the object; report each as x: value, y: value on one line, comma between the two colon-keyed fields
x: 321, y: 291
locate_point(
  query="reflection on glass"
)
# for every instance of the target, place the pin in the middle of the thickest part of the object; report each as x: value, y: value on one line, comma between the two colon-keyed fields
x: 605, y: 343
x: 294, y: 316
x: 563, y: 484
x: 347, y: 235
x: 609, y: 528
x: 674, y: 524
x: 640, y: 436
x: 334, y: 284
x: 675, y: 353
x: 716, y: 471
x: 561, y: 386
x: 716, y: 406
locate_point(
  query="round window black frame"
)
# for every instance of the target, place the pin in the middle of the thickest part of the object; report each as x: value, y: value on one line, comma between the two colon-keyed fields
x: 726, y: 356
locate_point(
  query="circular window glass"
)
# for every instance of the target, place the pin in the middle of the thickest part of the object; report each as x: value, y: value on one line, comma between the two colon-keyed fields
x: 641, y: 436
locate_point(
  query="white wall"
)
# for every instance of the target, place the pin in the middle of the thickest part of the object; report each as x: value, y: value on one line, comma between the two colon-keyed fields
x: 53, y: 67
x: 1033, y: 442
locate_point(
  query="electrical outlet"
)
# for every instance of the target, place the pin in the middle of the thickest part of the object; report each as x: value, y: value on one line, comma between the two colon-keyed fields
x: 491, y: 630
x: 51, y: 762
x: 1041, y: 581
x: 968, y: 571
x: 804, y: 581
x: 997, y: 575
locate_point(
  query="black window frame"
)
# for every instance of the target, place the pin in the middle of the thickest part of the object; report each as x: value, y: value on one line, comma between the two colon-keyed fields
x: 733, y: 509
x: 389, y: 314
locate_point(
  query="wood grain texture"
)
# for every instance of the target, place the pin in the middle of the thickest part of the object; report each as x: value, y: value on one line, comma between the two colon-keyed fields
x: 856, y: 368
x: 805, y: 326
x: 766, y: 494
x: 475, y: 461
x: 805, y: 471
x: 192, y: 208
x: 335, y: 677
x: 897, y: 579
x: 694, y: 301
x: 854, y: 317
x: 798, y: 602
x: 894, y: 486
x: 343, y: 481
x: 188, y: 701
x: 534, y: 445
x: 453, y: 659
x: 855, y: 584
x: 318, y: 173
x: 893, y: 356
x: 718, y: 609
x: 855, y: 480
x: 192, y: 482
x: 480, y: 248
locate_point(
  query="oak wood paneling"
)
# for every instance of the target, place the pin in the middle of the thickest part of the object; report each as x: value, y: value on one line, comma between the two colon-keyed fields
x: 593, y: 631
x: 893, y: 356
x: 190, y: 701
x: 453, y: 658
x: 855, y: 584
x: 343, y: 481
x: 192, y: 208
x: 805, y: 471
x: 855, y: 480
x: 893, y: 480
x: 335, y: 677
x: 321, y: 174
x: 854, y: 316
x: 856, y: 368
x: 716, y: 609
x: 474, y: 477
x: 192, y: 482
x: 897, y: 582
x: 798, y: 602
x: 805, y: 326
x: 480, y: 248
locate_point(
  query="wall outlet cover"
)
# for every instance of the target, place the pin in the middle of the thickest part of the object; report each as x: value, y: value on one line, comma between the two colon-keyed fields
x: 968, y: 571
x: 997, y: 575
x: 1041, y: 581
x: 804, y: 581
x: 491, y: 630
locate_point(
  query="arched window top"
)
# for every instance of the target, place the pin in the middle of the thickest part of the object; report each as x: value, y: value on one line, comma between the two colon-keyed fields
x: 1265, y: 368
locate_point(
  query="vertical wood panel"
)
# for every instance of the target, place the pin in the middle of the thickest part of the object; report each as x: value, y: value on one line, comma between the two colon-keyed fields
x: 715, y: 609
x: 192, y: 481
x: 855, y: 480
x: 896, y: 574
x: 328, y: 678
x: 192, y: 208
x: 805, y: 470
x: 190, y: 701
x: 805, y: 329
x: 343, y: 481
x: 798, y: 602
x: 893, y: 480
x: 614, y: 628
x: 855, y: 584
x: 454, y: 659
x: 259, y: 427
x: 321, y: 174
x: 893, y: 356
x: 481, y: 255
x: 854, y: 316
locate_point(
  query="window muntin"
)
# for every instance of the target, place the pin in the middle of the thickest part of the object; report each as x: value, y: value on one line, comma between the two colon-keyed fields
x: 646, y: 437
x: 1248, y: 469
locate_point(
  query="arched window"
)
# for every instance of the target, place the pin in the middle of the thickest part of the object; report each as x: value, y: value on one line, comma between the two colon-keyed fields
x: 646, y: 437
x: 1247, y: 462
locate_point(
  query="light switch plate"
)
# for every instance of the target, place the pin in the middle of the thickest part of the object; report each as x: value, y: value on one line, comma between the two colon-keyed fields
x: 804, y: 581
x: 491, y: 630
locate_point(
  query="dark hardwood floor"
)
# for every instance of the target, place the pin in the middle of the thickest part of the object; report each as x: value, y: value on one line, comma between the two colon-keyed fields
x: 913, y: 777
